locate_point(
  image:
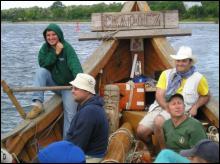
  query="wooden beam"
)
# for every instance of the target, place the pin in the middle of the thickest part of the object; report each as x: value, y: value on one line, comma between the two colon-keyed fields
x: 90, y: 65
x: 133, y: 117
x: 100, y: 57
x: 161, y: 45
x: 164, y: 50
x: 142, y: 5
x: 211, y: 110
x: 128, y: 6
x: 134, y: 34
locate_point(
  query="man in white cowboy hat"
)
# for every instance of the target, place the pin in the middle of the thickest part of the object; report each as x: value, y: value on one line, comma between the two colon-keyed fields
x: 183, y: 79
x: 89, y: 127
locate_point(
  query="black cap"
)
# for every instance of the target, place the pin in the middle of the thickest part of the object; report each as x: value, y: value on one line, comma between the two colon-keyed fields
x: 173, y: 96
x: 205, y: 149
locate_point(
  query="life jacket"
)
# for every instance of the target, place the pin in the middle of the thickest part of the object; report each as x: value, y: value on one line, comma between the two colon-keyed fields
x: 190, y: 93
x: 190, y: 89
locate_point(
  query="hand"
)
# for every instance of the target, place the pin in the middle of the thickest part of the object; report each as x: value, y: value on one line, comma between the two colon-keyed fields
x: 166, y: 108
x: 193, y: 111
x: 59, y: 47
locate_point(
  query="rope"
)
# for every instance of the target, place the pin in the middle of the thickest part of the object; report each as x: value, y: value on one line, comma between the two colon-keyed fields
x: 109, y: 35
x: 109, y: 161
x: 132, y: 156
x: 213, y: 133
x: 136, y: 156
x: 15, y: 157
x: 112, y: 136
x: 123, y: 130
x: 47, y: 131
x: 134, y: 152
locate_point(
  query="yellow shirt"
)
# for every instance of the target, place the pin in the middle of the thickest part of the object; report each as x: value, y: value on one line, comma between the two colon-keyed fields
x: 202, y: 89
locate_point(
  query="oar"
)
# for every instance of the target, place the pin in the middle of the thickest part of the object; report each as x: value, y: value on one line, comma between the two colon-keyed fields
x: 32, y: 89
x: 10, y: 94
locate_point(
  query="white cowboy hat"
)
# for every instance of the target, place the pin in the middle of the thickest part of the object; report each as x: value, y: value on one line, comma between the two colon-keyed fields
x: 184, y: 53
x: 85, y: 82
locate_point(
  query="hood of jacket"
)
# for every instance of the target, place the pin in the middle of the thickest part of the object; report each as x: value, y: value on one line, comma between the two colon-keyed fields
x: 54, y: 27
x: 95, y: 100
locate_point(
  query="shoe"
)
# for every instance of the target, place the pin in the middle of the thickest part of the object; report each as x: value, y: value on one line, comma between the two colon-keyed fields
x: 35, y: 111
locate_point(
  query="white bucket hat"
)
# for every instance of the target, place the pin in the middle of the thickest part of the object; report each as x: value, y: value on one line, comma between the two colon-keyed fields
x: 85, y: 82
x: 184, y: 53
x: 5, y: 156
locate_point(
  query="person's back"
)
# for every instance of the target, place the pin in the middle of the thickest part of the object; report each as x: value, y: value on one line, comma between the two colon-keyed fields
x: 89, y: 128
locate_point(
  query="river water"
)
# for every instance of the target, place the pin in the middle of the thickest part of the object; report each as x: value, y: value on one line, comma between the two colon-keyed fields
x: 20, y: 44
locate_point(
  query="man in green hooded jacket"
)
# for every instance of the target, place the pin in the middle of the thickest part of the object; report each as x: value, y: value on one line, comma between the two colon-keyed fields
x: 59, y: 65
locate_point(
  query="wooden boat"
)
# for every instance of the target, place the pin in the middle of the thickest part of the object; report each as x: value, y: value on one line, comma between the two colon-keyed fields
x: 110, y: 63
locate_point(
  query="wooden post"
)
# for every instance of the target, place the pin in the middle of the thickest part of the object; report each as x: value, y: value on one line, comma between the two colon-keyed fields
x: 120, y: 143
x: 10, y: 94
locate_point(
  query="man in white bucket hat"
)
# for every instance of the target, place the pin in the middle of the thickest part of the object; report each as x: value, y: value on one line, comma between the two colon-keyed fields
x: 183, y: 79
x: 89, y: 127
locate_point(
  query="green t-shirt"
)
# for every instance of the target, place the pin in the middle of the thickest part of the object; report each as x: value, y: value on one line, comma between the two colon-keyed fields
x: 185, y: 135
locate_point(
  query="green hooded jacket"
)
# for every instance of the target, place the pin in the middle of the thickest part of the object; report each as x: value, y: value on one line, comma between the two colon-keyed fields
x: 63, y: 67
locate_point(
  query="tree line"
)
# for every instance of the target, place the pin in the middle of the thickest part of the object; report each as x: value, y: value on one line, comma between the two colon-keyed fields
x: 59, y: 12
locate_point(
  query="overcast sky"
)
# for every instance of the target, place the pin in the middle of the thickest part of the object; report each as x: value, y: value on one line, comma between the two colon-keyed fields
x: 45, y: 4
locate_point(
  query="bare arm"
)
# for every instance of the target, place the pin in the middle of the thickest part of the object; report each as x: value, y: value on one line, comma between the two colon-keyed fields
x: 160, y: 97
x: 200, y: 102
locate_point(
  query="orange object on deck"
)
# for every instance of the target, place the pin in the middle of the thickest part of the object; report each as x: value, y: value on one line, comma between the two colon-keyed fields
x: 132, y: 96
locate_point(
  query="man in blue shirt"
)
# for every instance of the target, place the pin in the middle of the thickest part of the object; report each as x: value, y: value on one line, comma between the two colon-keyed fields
x: 89, y: 127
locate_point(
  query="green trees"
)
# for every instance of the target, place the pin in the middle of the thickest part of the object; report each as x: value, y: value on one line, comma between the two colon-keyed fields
x: 208, y: 11
x: 59, y: 12
x: 168, y: 5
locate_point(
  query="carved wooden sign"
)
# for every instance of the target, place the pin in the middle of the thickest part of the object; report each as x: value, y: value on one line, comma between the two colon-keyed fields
x: 134, y: 20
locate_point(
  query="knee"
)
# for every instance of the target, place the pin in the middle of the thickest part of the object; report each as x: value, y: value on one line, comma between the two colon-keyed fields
x: 141, y: 130
x: 158, y: 121
x: 42, y: 72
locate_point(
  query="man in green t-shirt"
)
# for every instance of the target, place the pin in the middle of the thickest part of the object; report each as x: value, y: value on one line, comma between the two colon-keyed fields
x: 181, y: 131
